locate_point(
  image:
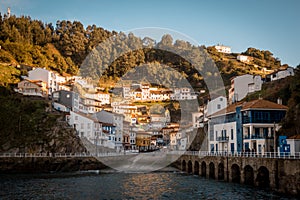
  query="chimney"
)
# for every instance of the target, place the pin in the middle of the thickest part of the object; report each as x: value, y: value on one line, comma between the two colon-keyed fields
x: 279, y: 101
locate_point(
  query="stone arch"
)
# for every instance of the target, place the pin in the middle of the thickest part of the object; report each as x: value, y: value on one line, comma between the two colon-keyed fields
x: 235, y: 173
x: 211, y: 170
x: 183, y: 166
x: 203, y: 169
x: 190, y: 167
x: 248, y: 175
x: 262, y: 178
x: 221, y: 171
x: 196, y: 168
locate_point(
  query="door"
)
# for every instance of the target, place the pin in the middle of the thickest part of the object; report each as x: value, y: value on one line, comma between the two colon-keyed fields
x: 259, y: 148
x: 232, y: 147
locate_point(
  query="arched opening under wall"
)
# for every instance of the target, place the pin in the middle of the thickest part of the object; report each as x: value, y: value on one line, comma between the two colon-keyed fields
x: 196, y: 168
x: 248, y: 175
x: 203, y: 169
x: 221, y: 171
x: 190, y: 167
x: 235, y: 173
x: 262, y: 178
x: 212, y: 170
x: 183, y: 166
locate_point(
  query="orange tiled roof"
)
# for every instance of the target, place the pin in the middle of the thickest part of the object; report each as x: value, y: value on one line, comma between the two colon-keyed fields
x: 255, y: 104
x: 295, y: 137
x: 263, y: 104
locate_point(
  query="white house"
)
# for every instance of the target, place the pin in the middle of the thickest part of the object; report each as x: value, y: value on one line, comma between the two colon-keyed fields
x: 294, y: 143
x: 184, y: 93
x: 88, y: 127
x: 52, y: 79
x: 223, y: 49
x: 32, y: 88
x: 243, y: 85
x: 126, y: 92
x: 160, y: 94
x: 127, y: 109
x: 197, y: 119
x: 280, y: 74
x: 145, y: 91
x: 117, y: 121
x: 216, y: 105
x: 244, y: 58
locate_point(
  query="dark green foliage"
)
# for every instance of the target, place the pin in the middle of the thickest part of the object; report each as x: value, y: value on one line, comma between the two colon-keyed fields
x: 291, y: 125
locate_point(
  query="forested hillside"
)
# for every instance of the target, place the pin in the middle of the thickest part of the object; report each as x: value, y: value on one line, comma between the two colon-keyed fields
x: 67, y: 46
x: 63, y: 47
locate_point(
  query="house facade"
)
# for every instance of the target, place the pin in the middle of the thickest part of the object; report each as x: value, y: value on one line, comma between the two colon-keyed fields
x: 280, y: 74
x: 247, y: 126
x: 243, y: 85
x: 223, y: 49
x: 117, y: 121
x: 63, y: 100
x: 32, y: 88
x: 52, y: 79
x: 88, y: 127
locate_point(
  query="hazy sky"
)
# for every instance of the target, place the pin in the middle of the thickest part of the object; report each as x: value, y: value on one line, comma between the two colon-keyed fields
x: 265, y: 24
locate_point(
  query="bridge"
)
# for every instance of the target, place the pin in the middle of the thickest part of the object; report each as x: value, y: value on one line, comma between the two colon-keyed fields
x: 280, y: 172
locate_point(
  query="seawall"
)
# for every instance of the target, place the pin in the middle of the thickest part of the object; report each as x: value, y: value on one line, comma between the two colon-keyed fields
x: 48, y: 164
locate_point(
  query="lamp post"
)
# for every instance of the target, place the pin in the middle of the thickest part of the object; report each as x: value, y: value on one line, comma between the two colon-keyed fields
x: 202, y: 101
x: 274, y: 133
x: 227, y: 170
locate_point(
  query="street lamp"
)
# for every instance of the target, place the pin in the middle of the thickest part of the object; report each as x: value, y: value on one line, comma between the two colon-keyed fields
x: 227, y: 170
x: 202, y: 100
x: 274, y: 133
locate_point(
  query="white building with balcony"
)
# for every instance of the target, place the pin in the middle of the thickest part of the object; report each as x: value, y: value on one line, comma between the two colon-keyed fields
x: 245, y: 126
x: 52, y: 79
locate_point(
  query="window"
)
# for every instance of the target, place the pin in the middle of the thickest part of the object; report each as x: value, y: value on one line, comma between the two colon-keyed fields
x: 82, y: 125
x: 76, y: 117
x: 231, y: 134
x: 218, y: 106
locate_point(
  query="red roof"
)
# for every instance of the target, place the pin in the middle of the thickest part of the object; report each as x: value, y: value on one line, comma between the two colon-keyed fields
x: 255, y: 104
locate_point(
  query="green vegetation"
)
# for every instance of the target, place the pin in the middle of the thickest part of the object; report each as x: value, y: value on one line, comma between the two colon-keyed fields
x: 8, y: 75
x: 69, y: 46
x: 27, y: 126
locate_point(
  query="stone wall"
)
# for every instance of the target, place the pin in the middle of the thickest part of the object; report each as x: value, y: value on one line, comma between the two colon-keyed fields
x: 48, y: 164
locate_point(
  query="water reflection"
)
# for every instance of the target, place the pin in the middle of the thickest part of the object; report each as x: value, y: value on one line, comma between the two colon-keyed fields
x: 152, y: 186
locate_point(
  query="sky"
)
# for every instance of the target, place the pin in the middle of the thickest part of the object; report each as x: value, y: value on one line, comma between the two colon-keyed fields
x: 272, y: 25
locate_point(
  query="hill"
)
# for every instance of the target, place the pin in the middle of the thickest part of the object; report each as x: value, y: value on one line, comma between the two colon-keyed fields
x: 29, y: 126
x: 65, y: 47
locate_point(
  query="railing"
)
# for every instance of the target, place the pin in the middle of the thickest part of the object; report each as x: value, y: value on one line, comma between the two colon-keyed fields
x: 64, y: 155
x: 285, y: 155
x: 258, y: 137
x: 223, y: 139
x: 295, y: 155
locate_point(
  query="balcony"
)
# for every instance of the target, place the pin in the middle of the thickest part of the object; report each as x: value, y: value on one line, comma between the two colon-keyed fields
x: 223, y: 139
x: 249, y: 137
